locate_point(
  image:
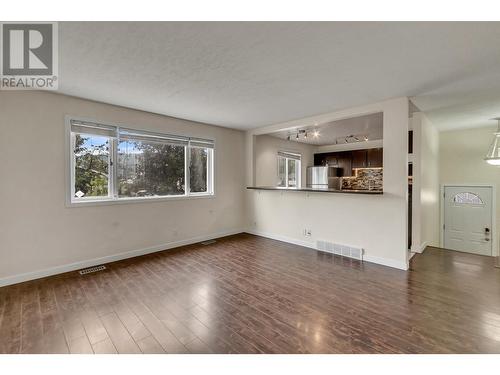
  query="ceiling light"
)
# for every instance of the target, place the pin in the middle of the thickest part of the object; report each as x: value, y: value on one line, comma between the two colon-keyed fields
x: 493, y: 155
x: 316, y: 134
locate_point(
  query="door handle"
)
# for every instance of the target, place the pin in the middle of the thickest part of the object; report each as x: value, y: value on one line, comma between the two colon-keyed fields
x: 486, y: 234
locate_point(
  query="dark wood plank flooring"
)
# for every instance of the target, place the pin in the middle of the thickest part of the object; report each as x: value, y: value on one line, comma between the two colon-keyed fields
x: 247, y: 294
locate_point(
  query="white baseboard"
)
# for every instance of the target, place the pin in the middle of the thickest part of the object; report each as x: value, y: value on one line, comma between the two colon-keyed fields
x: 386, y: 262
x: 368, y: 258
x: 14, y: 279
x: 282, y: 238
x: 420, y: 249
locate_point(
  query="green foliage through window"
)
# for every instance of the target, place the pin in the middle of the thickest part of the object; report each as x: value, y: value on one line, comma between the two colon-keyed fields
x: 198, y: 182
x: 148, y: 169
x: 91, y: 166
x: 146, y: 165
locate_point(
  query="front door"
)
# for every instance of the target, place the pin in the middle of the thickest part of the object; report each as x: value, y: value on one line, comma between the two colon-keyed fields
x: 467, y: 219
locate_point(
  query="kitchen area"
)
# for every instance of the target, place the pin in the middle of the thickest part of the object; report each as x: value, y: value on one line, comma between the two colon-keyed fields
x: 343, y: 156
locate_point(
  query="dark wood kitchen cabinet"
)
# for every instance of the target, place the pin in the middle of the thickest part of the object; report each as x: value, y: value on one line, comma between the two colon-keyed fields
x: 341, y: 160
x: 375, y: 158
x: 359, y: 159
x: 349, y: 160
x: 345, y: 162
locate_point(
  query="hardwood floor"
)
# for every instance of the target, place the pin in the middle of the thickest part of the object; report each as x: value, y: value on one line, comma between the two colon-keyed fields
x: 247, y: 294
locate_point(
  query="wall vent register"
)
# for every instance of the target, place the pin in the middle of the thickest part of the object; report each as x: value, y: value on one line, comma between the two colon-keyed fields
x: 338, y: 249
x: 92, y: 270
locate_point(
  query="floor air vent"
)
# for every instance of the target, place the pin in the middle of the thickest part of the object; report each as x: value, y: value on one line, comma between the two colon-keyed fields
x: 338, y: 249
x: 91, y: 270
x: 209, y: 242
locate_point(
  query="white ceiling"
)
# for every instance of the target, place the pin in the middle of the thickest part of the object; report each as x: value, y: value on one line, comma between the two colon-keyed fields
x: 335, y: 132
x: 246, y: 75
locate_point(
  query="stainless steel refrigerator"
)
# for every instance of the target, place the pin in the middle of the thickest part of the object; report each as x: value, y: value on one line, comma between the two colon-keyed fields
x: 323, y: 177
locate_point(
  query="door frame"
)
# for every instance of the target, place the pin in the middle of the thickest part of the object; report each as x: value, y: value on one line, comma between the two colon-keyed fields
x: 494, y: 247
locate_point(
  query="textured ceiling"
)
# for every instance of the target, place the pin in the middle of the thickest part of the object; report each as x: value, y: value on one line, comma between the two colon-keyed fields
x: 246, y: 75
x: 331, y: 133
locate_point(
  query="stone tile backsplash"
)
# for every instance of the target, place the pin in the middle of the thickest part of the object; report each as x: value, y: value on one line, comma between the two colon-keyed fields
x: 364, y: 179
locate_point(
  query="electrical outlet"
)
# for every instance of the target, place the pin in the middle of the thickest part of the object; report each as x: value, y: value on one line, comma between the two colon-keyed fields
x: 307, y: 232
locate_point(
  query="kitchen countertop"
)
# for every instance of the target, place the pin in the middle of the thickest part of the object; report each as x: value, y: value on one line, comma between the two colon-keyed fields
x: 309, y: 190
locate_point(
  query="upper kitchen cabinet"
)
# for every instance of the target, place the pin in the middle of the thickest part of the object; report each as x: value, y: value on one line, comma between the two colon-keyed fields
x: 359, y: 159
x: 375, y: 157
x: 345, y: 163
x: 349, y: 160
x: 369, y: 158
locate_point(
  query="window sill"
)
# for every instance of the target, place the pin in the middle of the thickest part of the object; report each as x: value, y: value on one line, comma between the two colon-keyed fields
x: 107, y: 202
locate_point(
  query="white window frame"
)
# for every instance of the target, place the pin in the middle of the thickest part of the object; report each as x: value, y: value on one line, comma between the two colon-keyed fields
x: 112, y: 198
x: 111, y: 172
x: 210, y: 177
x: 296, y: 157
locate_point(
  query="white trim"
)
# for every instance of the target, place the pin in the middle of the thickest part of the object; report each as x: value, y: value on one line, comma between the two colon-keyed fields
x: 110, y: 202
x: 423, y: 246
x: 400, y: 265
x: 187, y: 170
x: 298, y: 169
x: 14, y: 279
x: 494, y: 236
x: 420, y: 249
x: 376, y: 143
x: 366, y: 257
x: 281, y: 238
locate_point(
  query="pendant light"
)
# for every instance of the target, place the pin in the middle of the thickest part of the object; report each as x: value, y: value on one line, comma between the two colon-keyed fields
x: 493, y: 155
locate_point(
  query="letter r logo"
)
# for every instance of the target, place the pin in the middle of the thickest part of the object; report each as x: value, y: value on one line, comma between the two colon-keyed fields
x: 27, y: 49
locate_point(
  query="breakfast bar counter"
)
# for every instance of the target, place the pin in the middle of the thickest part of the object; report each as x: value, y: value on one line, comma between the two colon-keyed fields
x: 315, y: 190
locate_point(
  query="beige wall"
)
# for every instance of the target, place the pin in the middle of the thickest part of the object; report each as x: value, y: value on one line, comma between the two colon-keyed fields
x: 38, y: 232
x: 429, y: 187
x: 426, y: 188
x: 378, y: 224
x: 266, y: 151
x: 461, y: 155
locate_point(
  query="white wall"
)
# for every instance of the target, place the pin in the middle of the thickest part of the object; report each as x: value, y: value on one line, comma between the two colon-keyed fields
x: 376, y: 223
x: 266, y: 151
x: 377, y: 143
x: 38, y: 232
x: 426, y: 188
x: 429, y: 187
x: 461, y: 154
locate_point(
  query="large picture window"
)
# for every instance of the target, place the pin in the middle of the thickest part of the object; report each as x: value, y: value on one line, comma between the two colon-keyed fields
x: 92, y: 164
x: 288, y: 170
x: 114, y: 163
